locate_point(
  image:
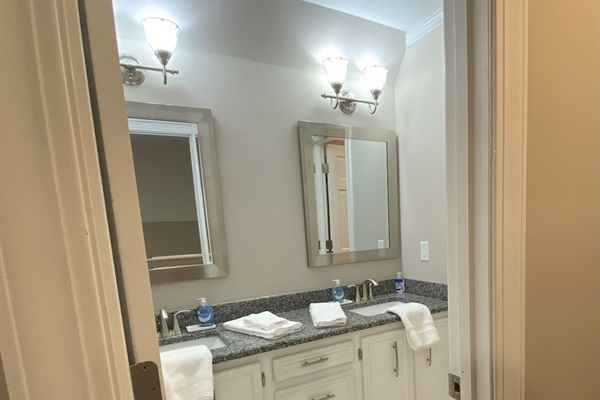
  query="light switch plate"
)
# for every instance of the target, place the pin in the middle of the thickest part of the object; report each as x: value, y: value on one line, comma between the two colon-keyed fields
x: 424, y: 251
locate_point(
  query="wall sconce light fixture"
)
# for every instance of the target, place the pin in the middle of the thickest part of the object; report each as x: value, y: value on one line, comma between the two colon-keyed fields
x: 161, y: 35
x: 336, y: 69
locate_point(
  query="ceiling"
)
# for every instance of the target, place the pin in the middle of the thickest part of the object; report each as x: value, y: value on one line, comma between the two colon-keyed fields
x: 292, y: 33
x: 405, y: 15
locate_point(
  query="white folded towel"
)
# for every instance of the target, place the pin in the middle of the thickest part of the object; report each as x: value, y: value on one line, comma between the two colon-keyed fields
x: 421, y: 332
x: 327, y: 314
x: 187, y: 373
x: 238, y: 325
x: 265, y: 320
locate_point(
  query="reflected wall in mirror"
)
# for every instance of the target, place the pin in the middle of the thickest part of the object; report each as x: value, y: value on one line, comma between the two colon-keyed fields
x: 350, y: 193
x: 178, y: 189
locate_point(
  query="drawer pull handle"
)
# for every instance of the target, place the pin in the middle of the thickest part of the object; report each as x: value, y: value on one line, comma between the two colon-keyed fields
x: 329, y: 396
x: 320, y: 360
x: 429, y: 358
x: 397, y: 369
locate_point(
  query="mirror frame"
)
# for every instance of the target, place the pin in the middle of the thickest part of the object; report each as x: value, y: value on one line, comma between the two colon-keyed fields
x: 306, y: 130
x: 209, y: 172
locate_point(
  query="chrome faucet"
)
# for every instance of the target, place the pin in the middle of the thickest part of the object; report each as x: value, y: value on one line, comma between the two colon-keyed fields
x: 357, y: 293
x: 176, y: 329
x: 163, y: 315
x: 367, y: 289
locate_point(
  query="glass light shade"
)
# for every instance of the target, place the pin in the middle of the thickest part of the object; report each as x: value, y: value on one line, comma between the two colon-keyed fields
x: 336, y: 69
x: 161, y: 34
x: 376, y: 75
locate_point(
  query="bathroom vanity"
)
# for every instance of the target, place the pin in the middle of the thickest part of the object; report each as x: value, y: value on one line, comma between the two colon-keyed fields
x: 371, y: 364
x: 368, y: 358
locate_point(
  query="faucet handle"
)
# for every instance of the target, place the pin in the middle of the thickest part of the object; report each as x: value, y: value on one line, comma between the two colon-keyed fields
x: 368, y: 289
x: 357, y: 295
x: 176, y: 329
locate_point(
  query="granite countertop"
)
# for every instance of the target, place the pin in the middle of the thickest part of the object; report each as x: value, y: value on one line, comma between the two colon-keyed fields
x: 241, y: 345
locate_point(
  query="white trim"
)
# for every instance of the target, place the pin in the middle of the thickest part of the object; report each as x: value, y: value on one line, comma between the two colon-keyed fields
x: 321, y: 202
x: 200, y: 203
x: 458, y: 164
x: 481, y: 172
x: 425, y: 28
x: 511, y: 172
x: 122, y: 207
x: 350, y: 191
x: 162, y: 128
x: 56, y: 260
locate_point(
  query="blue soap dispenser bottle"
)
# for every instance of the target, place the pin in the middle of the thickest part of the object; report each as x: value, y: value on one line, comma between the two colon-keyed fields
x: 399, y: 283
x: 204, y: 312
x: 337, y: 292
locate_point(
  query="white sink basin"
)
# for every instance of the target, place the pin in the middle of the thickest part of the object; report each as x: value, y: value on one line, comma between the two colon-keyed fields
x: 212, y: 342
x: 377, y: 309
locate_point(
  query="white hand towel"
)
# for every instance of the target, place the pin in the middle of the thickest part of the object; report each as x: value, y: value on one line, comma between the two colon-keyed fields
x: 421, y: 332
x: 238, y: 325
x: 187, y: 373
x: 265, y: 320
x: 327, y: 314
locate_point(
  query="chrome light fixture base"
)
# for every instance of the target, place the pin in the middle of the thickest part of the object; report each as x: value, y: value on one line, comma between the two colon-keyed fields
x: 133, y: 72
x: 347, y: 103
x: 129, y: 73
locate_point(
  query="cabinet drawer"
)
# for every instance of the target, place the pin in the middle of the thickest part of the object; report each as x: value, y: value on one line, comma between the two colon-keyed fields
x: 337, y: 387
x: 314, y: 360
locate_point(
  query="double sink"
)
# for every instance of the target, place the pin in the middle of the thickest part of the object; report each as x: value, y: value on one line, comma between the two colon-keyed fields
x: 215, y: 341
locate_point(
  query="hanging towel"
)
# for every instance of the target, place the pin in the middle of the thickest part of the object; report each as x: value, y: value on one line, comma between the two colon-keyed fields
x: 421, y: 332
x: 238, y: 325
x: 327, y: 315
x: 187, y: 373
x: 265, y: 320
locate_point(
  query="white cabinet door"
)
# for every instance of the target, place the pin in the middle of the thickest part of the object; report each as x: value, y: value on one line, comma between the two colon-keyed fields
x: 339, y: 386
x: 384, y: 366
x: 239, y: 383
x: 431, y: 368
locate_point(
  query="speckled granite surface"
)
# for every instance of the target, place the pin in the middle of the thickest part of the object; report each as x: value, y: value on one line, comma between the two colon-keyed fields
x: 297, y: 301
x: 240, y: 345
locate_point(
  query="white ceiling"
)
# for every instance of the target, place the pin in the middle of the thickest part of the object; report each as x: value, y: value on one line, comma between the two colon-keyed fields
x: 405, y: 15
x: 292, y: 33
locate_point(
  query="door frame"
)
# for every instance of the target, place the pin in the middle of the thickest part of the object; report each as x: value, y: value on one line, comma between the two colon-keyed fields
x: 511, y: 25
x: 61, y: 333
x: 106, y: 84
x: 118, y: 178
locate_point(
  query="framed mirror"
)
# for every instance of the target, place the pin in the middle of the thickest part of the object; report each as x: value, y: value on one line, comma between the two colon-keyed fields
x: 178, y: 188
x: 350, y: 187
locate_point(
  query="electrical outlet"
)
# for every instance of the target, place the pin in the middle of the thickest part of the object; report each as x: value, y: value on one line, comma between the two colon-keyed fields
x: 424, y: 251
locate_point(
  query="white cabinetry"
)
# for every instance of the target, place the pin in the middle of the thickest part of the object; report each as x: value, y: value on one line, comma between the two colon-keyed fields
x: 239, y: 383
x: 385, y: 366
x: 339, y: 386
x: 330, y: 369
x: 431, y: 367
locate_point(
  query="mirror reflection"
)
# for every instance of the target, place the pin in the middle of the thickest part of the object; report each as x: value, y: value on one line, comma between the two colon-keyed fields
x: 177, y: 177
x: 350, y: 187
x: 351, y: 192
x: 170, y: 192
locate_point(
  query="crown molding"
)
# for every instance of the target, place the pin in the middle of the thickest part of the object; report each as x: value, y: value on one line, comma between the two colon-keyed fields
x: 425, y: 28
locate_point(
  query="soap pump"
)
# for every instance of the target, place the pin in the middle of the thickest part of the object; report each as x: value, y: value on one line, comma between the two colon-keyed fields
x: 337, y: 292
x: 204, y: 312
x: 400, y: 288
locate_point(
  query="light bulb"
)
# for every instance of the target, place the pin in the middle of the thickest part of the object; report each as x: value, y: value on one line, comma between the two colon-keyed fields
x: 336, y: 69
x: 161, y: 35
x: 376, y: 75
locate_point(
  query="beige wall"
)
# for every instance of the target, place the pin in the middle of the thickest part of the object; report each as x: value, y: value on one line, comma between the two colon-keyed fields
x: 257, y: 106
x: 420, y: 125
x: 563, y: 228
